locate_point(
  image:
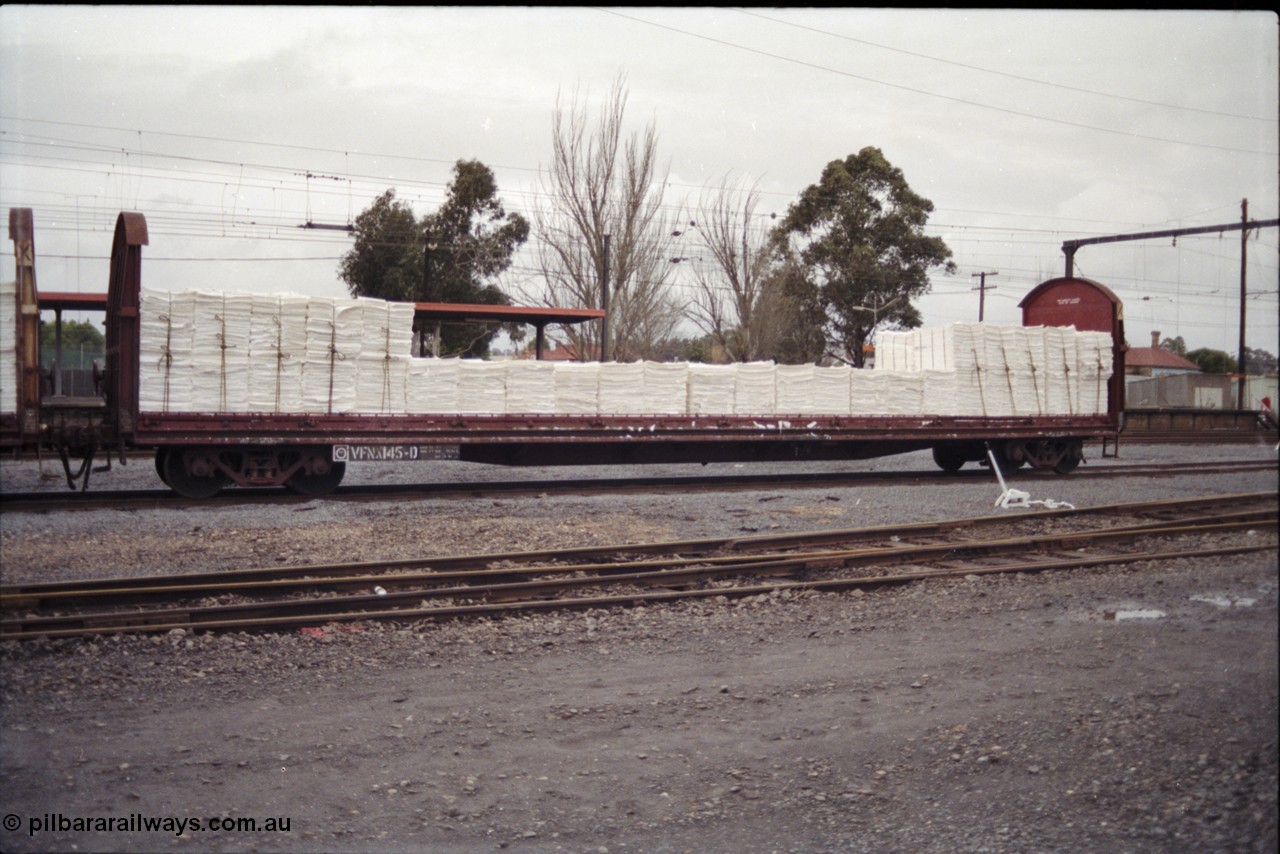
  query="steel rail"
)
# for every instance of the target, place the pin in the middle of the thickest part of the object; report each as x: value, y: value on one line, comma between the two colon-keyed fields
x: 31, y: 502
x: 314, y: 572
x: 426, y: 584
x: 627, y: 599
x: 693, y: 571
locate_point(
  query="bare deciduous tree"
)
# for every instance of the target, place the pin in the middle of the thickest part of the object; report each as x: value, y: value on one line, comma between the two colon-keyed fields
x: 739, y: 302
x: 604, y: 185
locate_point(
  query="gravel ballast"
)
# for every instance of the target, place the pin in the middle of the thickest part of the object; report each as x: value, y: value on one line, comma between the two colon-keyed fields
x: 1126, y: 709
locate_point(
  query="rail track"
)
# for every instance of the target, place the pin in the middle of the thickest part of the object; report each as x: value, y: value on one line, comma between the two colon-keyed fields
x: 455, y: 587
x: 29, y: 502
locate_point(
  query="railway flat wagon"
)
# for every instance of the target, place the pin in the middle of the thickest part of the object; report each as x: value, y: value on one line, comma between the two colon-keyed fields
x: 250, y: 389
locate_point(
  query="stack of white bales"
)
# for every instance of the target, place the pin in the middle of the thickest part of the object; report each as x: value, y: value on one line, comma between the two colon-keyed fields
x: 795, y: 390
x: 482, y: 387
x: 630, y: 388
x: 383, y: 361
x: 218, y: 366
x: 206, y: 351
x: 666, y: 388
x: 985, y: 370
x: 432, y: 386
x: 8, y: 347
x: 755, y: 388
x: 833, y: 390
x: 578, y: 388
x: 621, y: 388
x: 711, y: 389
x: 530, y: 387
x: 328, y: 373
x: 212, y: 351
x: 874, y: 393
x: 164, y: 365
x: 266, y: 338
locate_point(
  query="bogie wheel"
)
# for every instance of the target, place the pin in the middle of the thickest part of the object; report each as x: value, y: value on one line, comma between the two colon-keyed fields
x: 161, y: 453
x: 1070, y: 459
x: 189, y: 473
x: 948, y: 459
x: 323, y: 478
x: 1010, y: 466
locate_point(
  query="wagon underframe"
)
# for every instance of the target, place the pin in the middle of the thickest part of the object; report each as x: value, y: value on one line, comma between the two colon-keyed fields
x: 153, y: 430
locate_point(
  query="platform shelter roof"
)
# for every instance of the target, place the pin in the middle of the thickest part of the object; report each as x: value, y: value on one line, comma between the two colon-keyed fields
x: 72, y: 301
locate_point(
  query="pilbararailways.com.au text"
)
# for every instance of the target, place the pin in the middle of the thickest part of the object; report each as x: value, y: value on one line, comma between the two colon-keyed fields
x: 139, y: 823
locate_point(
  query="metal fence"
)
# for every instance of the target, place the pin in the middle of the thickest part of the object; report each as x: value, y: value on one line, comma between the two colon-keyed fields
x: 1196, y: 391
x: 75, y: 372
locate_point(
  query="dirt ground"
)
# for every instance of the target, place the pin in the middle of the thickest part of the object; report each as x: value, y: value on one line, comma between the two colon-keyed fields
x: 1130, y: 709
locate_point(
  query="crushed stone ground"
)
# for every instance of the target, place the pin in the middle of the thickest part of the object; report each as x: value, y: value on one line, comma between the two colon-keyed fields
x: 1127, y: 709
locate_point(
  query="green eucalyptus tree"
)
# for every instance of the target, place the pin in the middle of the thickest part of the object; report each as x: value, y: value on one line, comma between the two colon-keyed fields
x: 466, y: 245
x: 859, y: 232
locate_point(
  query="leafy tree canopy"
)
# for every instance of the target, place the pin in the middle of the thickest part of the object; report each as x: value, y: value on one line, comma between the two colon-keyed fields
x: 1212, y: 361
x: 860, y: 231
x: 75, y: 334
x: 468, y: 242
x: 475, y: 238
x: 386, y: 241
x: 1259, y: 362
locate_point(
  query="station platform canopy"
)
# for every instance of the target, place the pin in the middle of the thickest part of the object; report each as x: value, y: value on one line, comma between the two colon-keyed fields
x: 72, y: 301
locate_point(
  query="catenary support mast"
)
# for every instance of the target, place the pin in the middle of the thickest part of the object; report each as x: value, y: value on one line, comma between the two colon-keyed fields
x: 1244, y: 226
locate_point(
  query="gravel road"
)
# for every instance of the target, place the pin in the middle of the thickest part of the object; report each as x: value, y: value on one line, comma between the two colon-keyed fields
x: 1129, y: 709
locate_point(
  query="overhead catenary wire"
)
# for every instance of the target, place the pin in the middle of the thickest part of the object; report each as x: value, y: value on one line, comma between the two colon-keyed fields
x: 435, y: 190
x: 917, y: 91
x: 1006, y: 74
x: 271, y: 220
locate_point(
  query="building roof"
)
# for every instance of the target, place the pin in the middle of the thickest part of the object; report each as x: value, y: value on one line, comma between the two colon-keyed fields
x: 72, y: 300
x: 505, y: 313
x: 1157, y: 357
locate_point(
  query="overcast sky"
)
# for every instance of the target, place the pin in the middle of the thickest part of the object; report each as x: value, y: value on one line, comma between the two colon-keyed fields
x: 1025, y: 129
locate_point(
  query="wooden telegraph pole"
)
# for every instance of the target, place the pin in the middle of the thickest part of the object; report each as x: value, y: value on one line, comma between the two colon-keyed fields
x: 982, y: 291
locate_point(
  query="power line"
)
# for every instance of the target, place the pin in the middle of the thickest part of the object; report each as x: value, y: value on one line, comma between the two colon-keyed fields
x: 335, y: 151
x: 1003, y: 73
x: 926, y: 92
x: 252, y: 223
x: 275, y: 184
x: 245, y: 141
x: 205, y: 260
